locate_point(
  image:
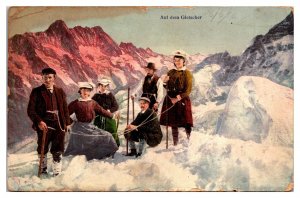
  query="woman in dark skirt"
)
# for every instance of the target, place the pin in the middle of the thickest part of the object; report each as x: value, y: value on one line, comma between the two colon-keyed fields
x: 108, y: 101
x: 177, y: 108
x: 86, y: 139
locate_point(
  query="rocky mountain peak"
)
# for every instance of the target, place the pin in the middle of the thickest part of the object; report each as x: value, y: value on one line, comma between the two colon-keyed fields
x: 285, y: 27
x: 58, y: 27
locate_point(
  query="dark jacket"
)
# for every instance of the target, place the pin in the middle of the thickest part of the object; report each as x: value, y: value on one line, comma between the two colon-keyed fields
x: 150, y: 89
x: 107, y: 101
x: 150, y: 131
x: 39, y: 100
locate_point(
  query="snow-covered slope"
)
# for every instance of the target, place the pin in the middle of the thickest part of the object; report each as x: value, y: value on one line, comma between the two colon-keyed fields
x: 205, y: 87
x: 206, y: 163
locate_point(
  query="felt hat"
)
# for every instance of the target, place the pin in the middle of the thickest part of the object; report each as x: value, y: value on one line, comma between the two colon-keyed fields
x: 145, y: 99
x: 48, y: 70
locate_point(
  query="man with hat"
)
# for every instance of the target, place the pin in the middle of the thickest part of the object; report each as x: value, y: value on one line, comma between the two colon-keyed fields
x: 152, y: 87
x: 48, y: 110
x: 108, y: 101
x: 144, y: 128
x: 177, y: 106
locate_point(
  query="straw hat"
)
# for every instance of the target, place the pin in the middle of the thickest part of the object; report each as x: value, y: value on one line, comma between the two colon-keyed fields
x: 104, y: 81
x: 88, y: 85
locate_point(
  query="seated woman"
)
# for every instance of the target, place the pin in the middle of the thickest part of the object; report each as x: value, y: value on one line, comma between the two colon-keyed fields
x: 86, y: 139
x: 108, y: 101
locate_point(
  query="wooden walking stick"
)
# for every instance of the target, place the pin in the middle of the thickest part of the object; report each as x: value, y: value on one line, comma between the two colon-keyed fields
x: 42, y: 152
x: 167, y: 132
x: 132, y: 108
x: 127, y: 119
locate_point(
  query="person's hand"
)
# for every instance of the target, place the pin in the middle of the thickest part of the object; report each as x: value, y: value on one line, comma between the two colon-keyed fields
x: 69, y: 128
x: 178, y: 97
x: 43, y: 126
x: 155, y: 106
x: 131, y: 127
x: 174, y: 100
x: 132, y: 97
x: 116, y: 115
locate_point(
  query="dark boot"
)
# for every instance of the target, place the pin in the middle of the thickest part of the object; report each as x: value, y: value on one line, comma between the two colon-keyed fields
x: 44, y: 164
x: 175, y: 135
x: 132, y: 152
x: 188, y: 135
x: 138, y: 155
x: 44, y: 171
x: 188, y: 131
x: 57, y: 163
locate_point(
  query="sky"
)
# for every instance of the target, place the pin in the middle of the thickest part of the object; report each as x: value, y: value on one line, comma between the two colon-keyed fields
x: 216, y: 29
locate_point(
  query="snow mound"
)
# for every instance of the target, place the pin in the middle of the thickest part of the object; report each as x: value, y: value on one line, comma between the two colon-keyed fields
x: 260, y: 110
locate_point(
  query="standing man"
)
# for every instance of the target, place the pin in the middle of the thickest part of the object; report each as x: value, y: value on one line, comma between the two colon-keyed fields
x: 152, y: 87
x: 108, y: 101
x: 177, y: 106
x: 144, y: 129
x: 48, y: 110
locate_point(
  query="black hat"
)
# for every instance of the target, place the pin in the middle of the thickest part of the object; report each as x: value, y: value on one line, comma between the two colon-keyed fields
x: 48, y: 71
x: 151, y: 66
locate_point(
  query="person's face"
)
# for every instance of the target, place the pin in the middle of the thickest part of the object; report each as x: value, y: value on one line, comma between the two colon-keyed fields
x: 150, y: 72
x: 85, y: 93
x: 48, y: 80
x: 102, y: 88
x: 179, y: 62
x: 144, y: 105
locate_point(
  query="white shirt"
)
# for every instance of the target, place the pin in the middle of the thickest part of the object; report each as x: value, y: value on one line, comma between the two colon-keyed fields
x: 160, y: 90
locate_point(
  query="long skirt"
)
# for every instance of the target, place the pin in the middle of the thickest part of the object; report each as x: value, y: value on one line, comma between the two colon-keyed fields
x: 86, y: 139
x: 179, y: 115
x: 109, y: 125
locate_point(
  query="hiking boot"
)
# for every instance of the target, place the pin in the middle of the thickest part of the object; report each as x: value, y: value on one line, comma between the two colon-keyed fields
x: 44, y: 171
x: 175, y: 142
x: 138, y: 155
x: 188, y: 135
x: 57, y: 166
x: 132, y: 152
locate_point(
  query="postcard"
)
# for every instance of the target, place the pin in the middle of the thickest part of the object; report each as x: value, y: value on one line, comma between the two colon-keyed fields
x: 150, y: 99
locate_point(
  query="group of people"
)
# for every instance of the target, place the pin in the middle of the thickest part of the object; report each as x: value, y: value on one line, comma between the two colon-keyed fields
x: 93, y: 121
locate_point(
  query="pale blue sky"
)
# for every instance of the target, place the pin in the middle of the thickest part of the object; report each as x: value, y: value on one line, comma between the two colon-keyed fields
x: 219, y: 29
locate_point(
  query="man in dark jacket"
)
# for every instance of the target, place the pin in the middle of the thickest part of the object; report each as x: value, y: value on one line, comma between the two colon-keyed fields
x: 152, y: 87
x: 145, y: 128
x: 48, y: 110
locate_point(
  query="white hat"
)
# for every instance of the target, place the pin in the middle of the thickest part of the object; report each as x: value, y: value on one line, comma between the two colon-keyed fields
x: 104, y: 81
x: 88, y: 85
x: 145, y: 99
x: 180, y: 53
